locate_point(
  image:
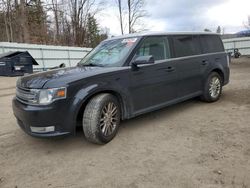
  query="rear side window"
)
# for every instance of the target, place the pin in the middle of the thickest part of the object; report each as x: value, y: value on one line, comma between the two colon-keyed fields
x: 186, y: 45
x: 211, y: 44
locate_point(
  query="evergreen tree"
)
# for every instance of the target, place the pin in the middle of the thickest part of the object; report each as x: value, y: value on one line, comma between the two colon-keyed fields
x: 218, y: 30
x: 93, y: 36
x: 37, y: 22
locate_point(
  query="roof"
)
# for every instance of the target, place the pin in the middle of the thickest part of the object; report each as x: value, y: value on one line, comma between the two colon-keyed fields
x: 18, y: 53
x: 161, y: 33
x: 8, y: 54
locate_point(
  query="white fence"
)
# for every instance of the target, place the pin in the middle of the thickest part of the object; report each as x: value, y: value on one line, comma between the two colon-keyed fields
x: 243, y: 44
x: 48, y: 56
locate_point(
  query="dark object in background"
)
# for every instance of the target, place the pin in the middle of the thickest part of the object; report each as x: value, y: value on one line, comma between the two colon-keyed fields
x: 16, y: 63
x: 245, y: 33
x: 237, y: 54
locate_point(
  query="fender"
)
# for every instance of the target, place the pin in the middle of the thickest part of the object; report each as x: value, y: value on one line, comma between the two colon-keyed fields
x: 85, y: 93
x: 213, y: 68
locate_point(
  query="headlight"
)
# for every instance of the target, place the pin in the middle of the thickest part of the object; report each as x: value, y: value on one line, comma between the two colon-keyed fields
x: 47, y: 96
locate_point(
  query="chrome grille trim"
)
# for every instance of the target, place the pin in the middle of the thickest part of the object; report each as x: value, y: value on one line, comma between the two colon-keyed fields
x: 26, y: 95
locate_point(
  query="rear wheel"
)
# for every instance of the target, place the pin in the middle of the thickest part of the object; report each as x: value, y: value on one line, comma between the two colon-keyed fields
x: 101, y: 118
x: 213, y: 88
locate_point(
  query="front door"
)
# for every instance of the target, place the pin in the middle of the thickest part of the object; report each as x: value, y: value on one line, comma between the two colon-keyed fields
x: 153, y: 85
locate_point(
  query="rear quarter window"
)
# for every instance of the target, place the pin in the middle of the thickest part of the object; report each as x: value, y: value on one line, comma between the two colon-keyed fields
x: 187, y: 45
x: 211, y: 44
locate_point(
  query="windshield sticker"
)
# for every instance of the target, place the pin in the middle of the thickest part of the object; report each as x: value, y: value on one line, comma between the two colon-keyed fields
x: 129, y: 40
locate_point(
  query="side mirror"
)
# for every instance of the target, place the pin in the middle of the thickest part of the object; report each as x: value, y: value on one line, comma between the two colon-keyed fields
x: 141, y: 60
x: 144, y: 60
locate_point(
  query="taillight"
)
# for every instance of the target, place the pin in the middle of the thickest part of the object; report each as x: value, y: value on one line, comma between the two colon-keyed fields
x: 228, y: 59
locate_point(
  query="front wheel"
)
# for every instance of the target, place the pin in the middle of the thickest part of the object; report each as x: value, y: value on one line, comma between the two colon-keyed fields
x: 101, y: 118
x: 213, y: 88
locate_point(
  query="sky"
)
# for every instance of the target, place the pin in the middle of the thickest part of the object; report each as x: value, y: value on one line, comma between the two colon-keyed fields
x: 185, y: 15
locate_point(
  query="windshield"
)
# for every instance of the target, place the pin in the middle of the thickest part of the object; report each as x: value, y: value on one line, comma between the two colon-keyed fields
x: 109, y: 53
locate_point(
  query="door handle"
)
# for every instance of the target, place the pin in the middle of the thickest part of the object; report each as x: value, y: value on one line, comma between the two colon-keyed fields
x: 217, y: 59
x: 170, y: 69
x: 204, y: 62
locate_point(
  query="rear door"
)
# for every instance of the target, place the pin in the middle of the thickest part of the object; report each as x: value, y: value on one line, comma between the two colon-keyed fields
x: 188, y: 59
x: 211, y: 47
x: 153, y: 85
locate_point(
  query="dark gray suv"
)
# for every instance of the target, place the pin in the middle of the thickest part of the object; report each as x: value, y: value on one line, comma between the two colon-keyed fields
x: 121, y: 78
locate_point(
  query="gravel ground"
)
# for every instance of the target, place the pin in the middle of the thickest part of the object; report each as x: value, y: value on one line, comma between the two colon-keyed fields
x: 188, y: 145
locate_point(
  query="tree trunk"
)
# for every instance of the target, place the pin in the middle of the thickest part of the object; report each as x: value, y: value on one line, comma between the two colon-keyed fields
x: 120, y: 14
x: 55, y: 10
x: 10, y: 19
x: 129, y: 17
x: 6, y: 28
x: 23, y: 22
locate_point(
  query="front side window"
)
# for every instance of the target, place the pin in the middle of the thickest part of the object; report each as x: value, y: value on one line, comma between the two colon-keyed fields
x: 158, y: 47
x: 110, y: 53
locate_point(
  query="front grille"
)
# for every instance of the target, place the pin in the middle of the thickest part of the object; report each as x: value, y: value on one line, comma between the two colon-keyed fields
x: 26, y: 95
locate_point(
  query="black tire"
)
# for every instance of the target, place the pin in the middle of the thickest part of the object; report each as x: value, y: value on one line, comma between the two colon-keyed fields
x: 93, y: 119
x: 208, y: 96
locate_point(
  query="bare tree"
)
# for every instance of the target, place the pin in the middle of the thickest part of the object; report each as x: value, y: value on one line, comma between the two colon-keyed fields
x: 247, y: 23
x: 79, y: 11
x: 248, y: 20
x: 133, y: 11
x: 62, y: 22
x: 55, y: 9
x: 6, y: 10
x: 24, y: 34
x: 120, y: 15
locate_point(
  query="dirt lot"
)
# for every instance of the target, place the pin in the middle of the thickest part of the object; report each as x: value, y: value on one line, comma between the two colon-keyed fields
x: 189, y: 145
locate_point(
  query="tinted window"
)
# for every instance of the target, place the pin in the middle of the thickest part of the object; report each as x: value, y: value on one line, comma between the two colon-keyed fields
x: 186, y: 45
x: 211, y: 43
x: 158, y: 47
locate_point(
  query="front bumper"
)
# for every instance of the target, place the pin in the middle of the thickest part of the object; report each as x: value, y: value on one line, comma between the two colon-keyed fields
x: 56, y: 115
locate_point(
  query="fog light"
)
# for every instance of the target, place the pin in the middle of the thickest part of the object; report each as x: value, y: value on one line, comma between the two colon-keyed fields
x: 42, y: 129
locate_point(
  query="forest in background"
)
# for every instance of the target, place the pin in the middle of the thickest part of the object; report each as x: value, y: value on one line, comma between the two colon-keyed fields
x: 51, y: 22
x: 64, y: 22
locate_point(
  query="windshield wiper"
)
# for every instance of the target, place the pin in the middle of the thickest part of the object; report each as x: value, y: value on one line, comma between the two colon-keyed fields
x: 92, y: 65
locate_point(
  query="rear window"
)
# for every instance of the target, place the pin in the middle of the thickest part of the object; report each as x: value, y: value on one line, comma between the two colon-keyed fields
x: 186, y: 45
x: 211, y: 44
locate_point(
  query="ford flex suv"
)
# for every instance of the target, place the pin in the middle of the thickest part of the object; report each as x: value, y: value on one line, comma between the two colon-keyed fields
x: 121, y: 78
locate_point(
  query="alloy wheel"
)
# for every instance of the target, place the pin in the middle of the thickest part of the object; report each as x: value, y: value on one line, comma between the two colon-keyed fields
x: 214, y: 87
x: 109, y: 118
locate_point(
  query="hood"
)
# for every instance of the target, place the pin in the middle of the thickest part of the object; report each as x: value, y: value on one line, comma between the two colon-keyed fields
x: 59, y: 77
